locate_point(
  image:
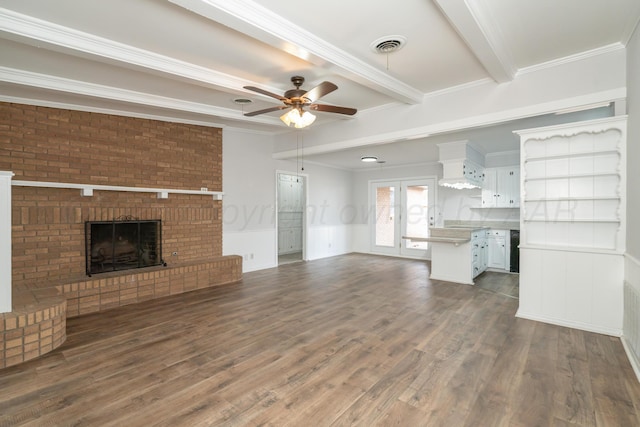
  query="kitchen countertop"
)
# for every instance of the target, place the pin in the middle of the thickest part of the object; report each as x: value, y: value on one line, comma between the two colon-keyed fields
x: 496, y: 225
x: 455, y: 240
x: 457, y: 232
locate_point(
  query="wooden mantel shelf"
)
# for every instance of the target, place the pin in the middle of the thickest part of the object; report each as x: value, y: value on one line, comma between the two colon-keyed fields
x: 88, y: 189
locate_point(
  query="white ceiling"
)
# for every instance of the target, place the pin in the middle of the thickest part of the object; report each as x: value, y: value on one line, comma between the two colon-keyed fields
x: 188, y: 60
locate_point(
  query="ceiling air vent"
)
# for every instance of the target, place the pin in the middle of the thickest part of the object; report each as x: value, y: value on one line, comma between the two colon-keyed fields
x: 242, y: 101
x: 388, y: 44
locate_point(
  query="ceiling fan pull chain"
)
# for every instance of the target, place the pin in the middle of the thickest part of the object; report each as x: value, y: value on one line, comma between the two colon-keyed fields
x: 297, y: 155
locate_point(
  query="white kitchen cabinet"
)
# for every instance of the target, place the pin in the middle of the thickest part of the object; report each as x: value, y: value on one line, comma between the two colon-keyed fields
x: 501, y: 187
x: 458, y: 255
x: 497, y: 245
x: 573, y: 224
x: 479, y: 252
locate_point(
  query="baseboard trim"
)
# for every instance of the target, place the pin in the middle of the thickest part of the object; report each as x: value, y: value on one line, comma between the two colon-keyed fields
x: 635, y: 363
x: 569, y: 324
x: 450, y: 279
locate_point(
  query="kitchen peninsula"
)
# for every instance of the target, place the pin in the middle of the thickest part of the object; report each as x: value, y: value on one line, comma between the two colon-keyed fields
x: 458, y: 254
x: 460, y: 251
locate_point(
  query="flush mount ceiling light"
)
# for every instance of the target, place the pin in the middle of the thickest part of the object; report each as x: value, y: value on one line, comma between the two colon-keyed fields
x: 298, y: 118
x: 368, y: 159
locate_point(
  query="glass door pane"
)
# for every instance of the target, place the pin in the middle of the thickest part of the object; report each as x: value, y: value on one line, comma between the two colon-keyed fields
x: 418, y: 215
x: 417, y: 208
x: 385, y: 216
x: 385, y: 233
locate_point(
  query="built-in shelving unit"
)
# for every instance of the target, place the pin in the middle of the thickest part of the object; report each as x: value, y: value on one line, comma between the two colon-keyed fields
x: 572, y: 188
x: 573, y: 224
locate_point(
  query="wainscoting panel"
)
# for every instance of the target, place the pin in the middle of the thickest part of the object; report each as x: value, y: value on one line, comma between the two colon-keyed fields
x: 258, y: 248
x: 631, y: 329
x: 329, y: 240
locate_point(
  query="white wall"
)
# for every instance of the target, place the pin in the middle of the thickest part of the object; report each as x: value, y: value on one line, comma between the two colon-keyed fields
x: 533, y: 92
x: 248, y: 183
x: 249, y: 202
x: 633, y: 145
x: 631, y: 329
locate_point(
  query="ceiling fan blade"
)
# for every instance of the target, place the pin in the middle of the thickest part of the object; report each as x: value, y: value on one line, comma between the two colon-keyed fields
x: 319, y: 91
x: 265, y: 92
x: 266, y: 110
x: 333, y: 109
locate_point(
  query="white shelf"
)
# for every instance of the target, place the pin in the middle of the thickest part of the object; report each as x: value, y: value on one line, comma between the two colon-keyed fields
x: 571, y: 198
x: 586, y: 220
x: 88, y: 189
x: 574, y: 175
x: 570, y: 155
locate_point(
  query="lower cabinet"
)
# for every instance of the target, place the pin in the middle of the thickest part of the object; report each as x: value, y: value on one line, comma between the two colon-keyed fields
x: 497, y: 243
x: 479, y: 252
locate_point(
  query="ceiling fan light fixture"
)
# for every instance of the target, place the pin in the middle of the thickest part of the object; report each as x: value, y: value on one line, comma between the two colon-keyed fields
x: 299, y: 121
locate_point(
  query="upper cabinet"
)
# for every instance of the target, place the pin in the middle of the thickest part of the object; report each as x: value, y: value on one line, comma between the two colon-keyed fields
x: 501, y: 187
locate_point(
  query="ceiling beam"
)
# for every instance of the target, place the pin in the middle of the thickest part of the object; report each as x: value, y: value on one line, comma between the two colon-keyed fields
x: 262, y: 24
x: 93, y: 90
x: 78, y: 43
x: 475, y: 26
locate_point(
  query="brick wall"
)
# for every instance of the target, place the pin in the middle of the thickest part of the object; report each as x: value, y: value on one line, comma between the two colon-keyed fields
x: 48, y: 244
x: 48, y: 144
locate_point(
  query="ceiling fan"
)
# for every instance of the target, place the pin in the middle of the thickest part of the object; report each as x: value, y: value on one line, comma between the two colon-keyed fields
x: 298, y: 98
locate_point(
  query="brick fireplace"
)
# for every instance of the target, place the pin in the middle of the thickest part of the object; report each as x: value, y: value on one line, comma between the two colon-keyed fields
x: 48, y: 224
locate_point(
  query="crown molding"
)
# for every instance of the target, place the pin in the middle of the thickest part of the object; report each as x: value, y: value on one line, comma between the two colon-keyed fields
x: 79, y: 41
x: 100, y: 110
x: 55, y: 83
x: 262, y: 24
x: 463, y: 86
x: 571, y: 58
x: 127, y: 113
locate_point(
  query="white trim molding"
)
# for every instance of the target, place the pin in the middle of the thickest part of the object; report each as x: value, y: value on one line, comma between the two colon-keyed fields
x: 87, y: 190
x: 5, y: 241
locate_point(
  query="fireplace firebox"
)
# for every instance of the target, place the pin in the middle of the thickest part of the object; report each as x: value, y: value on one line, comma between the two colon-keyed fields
x: 122, y: 244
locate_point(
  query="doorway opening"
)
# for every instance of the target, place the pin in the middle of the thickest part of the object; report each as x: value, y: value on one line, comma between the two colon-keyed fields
x: 291, y: 203
x: 404, y: 210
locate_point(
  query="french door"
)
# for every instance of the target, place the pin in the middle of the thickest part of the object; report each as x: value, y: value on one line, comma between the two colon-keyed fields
x: 402, y: 209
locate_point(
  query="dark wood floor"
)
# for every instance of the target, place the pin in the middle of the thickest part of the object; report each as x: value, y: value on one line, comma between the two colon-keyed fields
x: 351, y: 340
